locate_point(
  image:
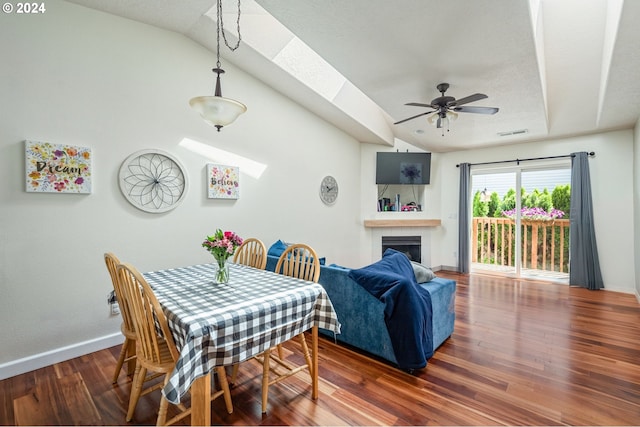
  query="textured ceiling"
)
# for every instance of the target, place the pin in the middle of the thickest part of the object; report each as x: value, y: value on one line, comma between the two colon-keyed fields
x: 556, y: 68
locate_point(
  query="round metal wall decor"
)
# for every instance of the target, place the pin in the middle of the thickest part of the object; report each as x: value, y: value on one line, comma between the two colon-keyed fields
x: 153, y: 181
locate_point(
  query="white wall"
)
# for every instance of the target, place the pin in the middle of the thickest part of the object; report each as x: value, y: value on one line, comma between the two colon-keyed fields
x: 77, y: 76
x: 612, y: 175
x: 636, y: 203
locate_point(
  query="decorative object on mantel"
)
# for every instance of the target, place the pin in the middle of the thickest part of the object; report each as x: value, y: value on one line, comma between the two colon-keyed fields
x: 153, y: 181
x: 216, y: 110
x: 57, y: 168
x: 223, y: 181
x: 222, y: 245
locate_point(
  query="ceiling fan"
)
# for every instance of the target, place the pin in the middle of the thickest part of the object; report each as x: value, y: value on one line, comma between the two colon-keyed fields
x: 445, y: 108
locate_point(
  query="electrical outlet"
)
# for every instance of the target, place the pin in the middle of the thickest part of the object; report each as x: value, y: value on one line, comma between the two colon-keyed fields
x: 115, y: 308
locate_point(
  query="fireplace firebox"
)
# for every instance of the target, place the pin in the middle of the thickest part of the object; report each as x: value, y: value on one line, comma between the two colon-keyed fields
x: 409, y: 245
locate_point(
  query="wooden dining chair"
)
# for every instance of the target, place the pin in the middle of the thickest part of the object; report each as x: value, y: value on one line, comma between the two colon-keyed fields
x: 128, y: 351
x: 155, y: 353
x: 300, y: 261
x: 252, y: 252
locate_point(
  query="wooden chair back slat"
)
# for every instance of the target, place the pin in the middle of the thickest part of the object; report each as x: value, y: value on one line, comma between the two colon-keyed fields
x: 112, y: 262
x: 252, y: 252
x: 300, y: 261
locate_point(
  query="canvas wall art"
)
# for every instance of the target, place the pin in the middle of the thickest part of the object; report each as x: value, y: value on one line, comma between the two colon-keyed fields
x: 57, y: 168
x: 223, y: 181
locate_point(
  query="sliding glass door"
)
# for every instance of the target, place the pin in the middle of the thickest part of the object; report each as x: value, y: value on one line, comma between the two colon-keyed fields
x: 520, y: 221
x: 544, y: 223
x: 493, y: 236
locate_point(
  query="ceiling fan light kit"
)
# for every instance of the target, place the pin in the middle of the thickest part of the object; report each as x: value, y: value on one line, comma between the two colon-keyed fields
x: 216, y: 110
x: 446, y: 108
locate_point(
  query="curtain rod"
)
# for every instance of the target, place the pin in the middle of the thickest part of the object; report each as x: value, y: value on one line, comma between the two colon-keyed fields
x: 591, y: 154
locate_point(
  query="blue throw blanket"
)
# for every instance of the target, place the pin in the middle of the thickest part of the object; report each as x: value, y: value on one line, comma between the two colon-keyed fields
x: 407, y: 309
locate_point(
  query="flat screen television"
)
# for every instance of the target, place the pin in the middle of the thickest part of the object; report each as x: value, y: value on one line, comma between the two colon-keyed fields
x: 403, y: 168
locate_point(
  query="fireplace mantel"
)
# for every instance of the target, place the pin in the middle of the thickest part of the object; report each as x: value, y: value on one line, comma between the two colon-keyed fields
x: 380, y: 223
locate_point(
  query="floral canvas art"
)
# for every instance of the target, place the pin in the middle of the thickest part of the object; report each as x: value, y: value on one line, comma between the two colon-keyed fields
x: 223, y: 181
x: 57, y: 168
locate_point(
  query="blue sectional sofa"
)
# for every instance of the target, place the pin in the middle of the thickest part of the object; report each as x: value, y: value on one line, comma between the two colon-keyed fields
x: 362, y: 318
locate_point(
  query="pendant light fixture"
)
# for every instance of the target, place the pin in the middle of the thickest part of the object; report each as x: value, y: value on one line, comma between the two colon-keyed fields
x: 216, y: 110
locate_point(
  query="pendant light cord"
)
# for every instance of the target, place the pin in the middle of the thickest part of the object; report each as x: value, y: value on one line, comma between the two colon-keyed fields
x: 220, y: 28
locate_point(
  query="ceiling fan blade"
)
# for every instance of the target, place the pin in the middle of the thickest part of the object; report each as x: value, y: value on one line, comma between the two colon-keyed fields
x: 478, y: 110
x: 418, y: 104
x: 413, y: 117
x: 466, y: 100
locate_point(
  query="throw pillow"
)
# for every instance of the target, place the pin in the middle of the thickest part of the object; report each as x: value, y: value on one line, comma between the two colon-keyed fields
x: 277, y: 248
x: 423, y: 274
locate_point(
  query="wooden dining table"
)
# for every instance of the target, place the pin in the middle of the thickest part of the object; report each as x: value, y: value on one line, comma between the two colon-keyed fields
x: 224, y: 324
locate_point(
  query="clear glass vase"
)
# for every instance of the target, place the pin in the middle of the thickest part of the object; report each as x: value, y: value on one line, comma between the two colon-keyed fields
x: 220, y: 272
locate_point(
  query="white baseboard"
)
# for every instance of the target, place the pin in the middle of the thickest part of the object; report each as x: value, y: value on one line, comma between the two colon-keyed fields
x: 37, y: 361
x: 445, y: 268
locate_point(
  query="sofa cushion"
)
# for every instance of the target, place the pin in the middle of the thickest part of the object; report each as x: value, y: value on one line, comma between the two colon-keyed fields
x: 339, y: 267
x: 423, y: 274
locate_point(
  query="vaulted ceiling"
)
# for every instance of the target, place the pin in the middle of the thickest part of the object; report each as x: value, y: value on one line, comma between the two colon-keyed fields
x: 554, y: 68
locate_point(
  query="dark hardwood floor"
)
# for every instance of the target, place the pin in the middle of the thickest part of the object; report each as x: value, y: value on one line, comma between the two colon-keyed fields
x: 522, y: 353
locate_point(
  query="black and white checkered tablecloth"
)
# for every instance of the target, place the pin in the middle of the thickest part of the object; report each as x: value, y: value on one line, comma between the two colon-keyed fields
x: 222, y: 324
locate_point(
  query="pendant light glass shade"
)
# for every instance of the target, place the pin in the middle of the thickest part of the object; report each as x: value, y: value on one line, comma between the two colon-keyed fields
x: 216, y: 110
x: 450, y: 116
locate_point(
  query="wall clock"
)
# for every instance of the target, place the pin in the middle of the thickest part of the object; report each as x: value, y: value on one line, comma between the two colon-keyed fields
x: 329, y: 190
x: 153, y: 181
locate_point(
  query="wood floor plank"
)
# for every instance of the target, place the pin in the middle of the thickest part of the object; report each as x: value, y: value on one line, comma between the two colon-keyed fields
x: 523, y: 352
x: 353, y: 409
x: 7, y: 392
x: 76, y: 396
x: 42, y: 405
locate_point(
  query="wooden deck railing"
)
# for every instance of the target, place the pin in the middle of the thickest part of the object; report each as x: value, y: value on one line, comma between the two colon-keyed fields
x: 545, y: 244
